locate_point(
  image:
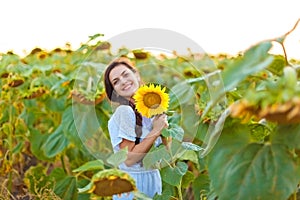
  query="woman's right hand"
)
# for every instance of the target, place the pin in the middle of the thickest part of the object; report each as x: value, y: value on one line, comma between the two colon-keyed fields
x: 159, y: 123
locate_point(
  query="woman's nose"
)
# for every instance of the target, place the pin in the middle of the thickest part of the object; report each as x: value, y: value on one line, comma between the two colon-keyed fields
x: 122, y: 80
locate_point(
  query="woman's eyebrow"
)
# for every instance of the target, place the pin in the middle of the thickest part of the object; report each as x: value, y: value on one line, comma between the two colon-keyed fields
x: 123, y: 72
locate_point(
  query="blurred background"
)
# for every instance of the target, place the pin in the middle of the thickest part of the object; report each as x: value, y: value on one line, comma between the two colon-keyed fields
x: 217, y: 26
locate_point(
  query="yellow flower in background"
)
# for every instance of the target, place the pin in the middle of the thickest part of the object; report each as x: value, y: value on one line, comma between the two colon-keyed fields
x: 151, y: 100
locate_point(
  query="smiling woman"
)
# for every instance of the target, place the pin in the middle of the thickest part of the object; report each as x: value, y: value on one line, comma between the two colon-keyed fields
x: 129, y: 129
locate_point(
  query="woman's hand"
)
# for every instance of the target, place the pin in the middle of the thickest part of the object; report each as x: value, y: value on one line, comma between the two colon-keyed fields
x: 159, y: 123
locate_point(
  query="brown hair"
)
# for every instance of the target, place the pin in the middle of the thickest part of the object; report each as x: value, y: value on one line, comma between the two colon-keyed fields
x: 112, y: 96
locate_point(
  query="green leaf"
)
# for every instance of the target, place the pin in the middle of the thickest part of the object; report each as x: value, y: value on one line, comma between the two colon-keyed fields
x: 191, y: 146
x: 156, y: 157
x: 37, y: 141
x: 56, y: 143
x: 182, y: 93
x: 58, y: 174
x: 201, y: 186
x: 87, y: 188
x: 255, y: 59
x: 190, y: 156
x: 138, y: 195
x: 176, y: 150
x: 288, y: 135
x: 256, y: 171
x: 81, y: 183
x: 92, y: 131
x: 37, y: 180
x: 91, y: 165
x: 66, y: 188
x: 117, y: 158
x: 277, y: 65
x: 259, y: 131
x: 187, y: 179
x: 92, y: 37
x: 162, y: 197
x: 18, y: 147
x: 233, y: 138
x: 174, y: 131
x: 55, y: 104
x: 173, y: 176
x: 69, y: 127
x: 189, y: 120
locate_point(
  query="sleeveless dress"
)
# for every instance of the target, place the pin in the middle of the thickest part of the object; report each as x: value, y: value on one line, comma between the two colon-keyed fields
x: 122, y: 125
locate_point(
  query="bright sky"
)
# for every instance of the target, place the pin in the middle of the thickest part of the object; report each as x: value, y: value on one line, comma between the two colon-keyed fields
x: 218, y: 26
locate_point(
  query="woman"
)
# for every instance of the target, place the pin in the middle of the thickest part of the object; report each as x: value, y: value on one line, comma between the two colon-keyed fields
x: 128, y: 129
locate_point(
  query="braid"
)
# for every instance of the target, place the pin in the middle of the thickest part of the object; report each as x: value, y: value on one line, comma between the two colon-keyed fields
x: 138, y: 123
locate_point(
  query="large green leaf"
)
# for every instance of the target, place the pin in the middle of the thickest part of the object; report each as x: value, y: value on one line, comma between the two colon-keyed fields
x: 86, y: 121
x: 37, y: 140
x: 201, y: 185
x: 55, y: 104
x: 174, y: 131
x: 91, y: 165
x: 255, y: 59
x: 56, y: 143
x: 189, y: 120
x: 256, y: 171
x: 90, y: 126
x: 187, y: 179
x: 66, y: 188
x: 58, y: 174
x: 69, y: 127
x: 157, y: 157
x: 181, y: 94
x: 191, y: 146
x: 36, y: 179
x: 173, y: 175
x: 288, y: 135
x: 117, y: 158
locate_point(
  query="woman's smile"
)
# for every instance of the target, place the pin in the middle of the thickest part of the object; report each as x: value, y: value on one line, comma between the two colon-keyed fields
x: 127, y: 87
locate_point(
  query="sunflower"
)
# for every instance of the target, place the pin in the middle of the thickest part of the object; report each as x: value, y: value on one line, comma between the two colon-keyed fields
x: 151, y: 100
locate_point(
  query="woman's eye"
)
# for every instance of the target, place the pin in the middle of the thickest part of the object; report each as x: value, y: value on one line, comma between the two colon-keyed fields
x: 126, y: 74
x: 115, y: 82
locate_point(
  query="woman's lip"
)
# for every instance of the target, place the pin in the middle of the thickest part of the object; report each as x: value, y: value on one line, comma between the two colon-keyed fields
x: 127, y: 87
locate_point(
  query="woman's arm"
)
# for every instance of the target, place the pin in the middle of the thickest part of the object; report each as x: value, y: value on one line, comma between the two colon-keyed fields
x: 138, y: 152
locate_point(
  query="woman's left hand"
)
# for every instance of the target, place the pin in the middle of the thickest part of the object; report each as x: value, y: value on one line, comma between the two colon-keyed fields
x: 160, y: 122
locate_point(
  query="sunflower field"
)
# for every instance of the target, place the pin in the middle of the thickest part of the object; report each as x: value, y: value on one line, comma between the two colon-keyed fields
x: 234, y: 123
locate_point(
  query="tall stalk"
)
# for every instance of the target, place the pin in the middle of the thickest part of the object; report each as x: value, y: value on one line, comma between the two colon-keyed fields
x: 10, y: 135
x: 179, y: 190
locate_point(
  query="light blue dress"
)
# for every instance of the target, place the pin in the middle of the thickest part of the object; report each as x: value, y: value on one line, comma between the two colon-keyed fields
x: 122, y: 125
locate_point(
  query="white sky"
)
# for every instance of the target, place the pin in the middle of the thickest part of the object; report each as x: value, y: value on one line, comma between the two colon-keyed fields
x: 218, y: 26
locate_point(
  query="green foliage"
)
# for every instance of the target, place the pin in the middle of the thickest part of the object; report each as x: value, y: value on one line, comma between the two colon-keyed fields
x: 67, y: 188
x: 257, y: 171
x: 53, y: 110
x: 117, y: 158
x: 288, y: 135
x: 255, y: 59
x: 174, y: 131
x: 91, y: 165
x: 173, y: 175
x: 37, y: 181
x: 276, y: 67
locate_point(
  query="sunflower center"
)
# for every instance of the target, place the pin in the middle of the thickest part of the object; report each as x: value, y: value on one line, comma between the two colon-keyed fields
x: 152, y: 100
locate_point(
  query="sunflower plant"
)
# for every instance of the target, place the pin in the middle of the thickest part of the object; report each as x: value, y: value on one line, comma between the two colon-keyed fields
x: 151, y: 100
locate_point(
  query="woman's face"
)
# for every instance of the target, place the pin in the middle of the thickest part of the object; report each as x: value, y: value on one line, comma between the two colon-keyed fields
x: 124, y: 81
